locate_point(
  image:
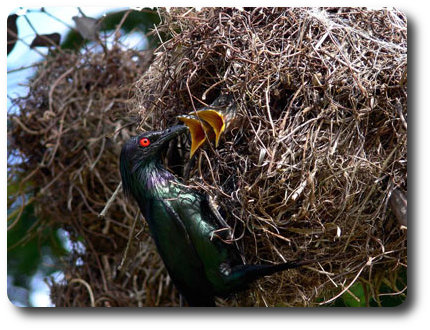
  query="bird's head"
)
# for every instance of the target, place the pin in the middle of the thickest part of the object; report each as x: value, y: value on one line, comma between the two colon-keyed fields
x: 144, y: 149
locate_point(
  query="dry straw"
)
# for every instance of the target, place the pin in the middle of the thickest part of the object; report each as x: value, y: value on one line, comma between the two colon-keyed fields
x: 305, y: 171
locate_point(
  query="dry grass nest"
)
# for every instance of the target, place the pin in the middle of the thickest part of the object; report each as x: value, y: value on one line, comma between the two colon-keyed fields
x: 65, y: 142
x: 318, y: 144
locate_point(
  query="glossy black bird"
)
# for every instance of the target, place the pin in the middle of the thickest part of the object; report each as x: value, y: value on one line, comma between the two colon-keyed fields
x: 189, y: 233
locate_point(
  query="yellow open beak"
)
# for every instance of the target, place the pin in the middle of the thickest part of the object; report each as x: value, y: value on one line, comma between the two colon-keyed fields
x: 203, y: 124
x: 198, y: 131
x: 215, y: 119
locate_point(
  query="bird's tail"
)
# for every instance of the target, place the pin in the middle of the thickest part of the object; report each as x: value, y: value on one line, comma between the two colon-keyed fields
x: 201, y: 301
x: 249, y: 273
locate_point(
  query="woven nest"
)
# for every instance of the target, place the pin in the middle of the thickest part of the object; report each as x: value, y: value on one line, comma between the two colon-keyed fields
x: 319, y: 140
x: 68, y: 132
x: 307, y: 170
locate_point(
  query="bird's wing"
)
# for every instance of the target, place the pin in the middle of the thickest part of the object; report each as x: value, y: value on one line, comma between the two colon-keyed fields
x: 198, y: 291
x: 174, y: 215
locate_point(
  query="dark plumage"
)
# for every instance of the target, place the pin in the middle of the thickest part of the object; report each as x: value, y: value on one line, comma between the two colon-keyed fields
x: 183, y: 225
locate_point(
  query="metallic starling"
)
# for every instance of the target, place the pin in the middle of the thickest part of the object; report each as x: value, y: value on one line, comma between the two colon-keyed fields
x: 190, y: 235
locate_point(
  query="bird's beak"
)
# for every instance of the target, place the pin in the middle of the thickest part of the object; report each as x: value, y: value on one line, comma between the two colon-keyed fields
x: 204, y: 124
x: 215, y: 119
x: 170, y: 134
x: 198, y: 131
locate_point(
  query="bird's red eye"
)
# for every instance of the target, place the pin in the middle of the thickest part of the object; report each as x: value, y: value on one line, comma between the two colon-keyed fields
x: 144, y: 142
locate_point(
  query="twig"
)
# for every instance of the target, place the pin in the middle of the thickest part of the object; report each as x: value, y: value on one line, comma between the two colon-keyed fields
x: 127, y: 248
x: 345, y: 289
x: 102, y: 214
x: 90, y: 291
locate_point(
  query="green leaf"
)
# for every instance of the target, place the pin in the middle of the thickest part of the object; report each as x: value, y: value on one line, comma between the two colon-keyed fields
x: 357, y: 297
